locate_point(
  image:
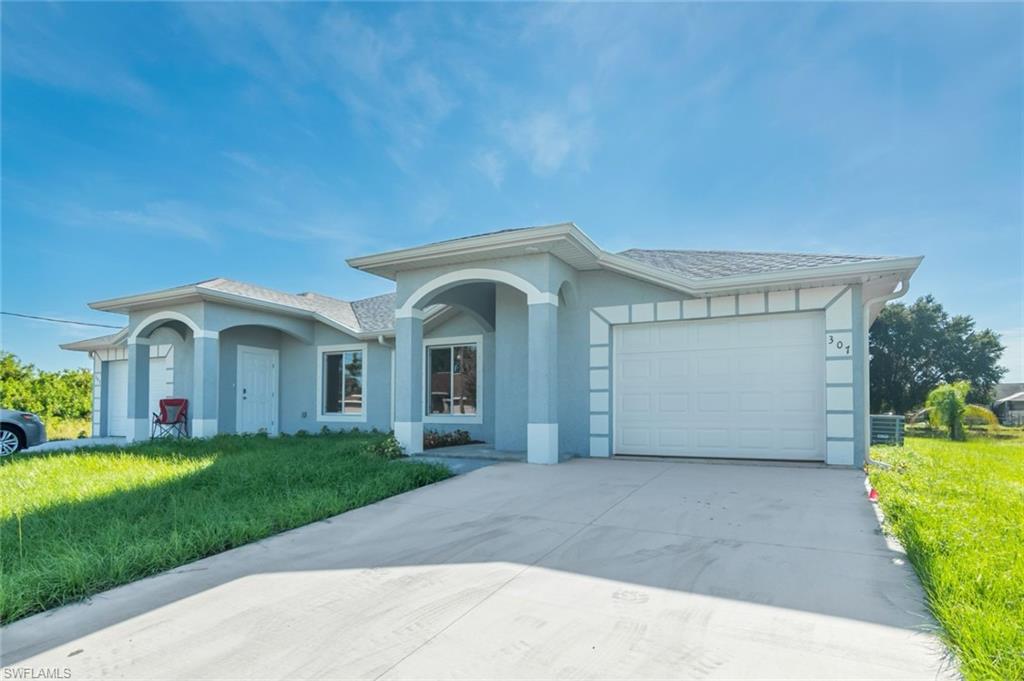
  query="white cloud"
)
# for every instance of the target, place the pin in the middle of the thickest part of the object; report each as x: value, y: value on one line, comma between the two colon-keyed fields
x: 152, y: 219
x: 491, y: 165
x: 549, y: 139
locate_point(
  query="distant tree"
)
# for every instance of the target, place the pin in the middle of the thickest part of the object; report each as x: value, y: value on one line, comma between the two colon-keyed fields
x: 916, y: 348
x: 62, y: 394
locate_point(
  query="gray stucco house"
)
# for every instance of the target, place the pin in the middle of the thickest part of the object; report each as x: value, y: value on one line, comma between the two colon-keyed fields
x: 534, y: 340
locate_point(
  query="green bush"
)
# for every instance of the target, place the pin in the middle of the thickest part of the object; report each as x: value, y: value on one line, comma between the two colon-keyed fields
x: 433, y: 439
x: 388, y: 448
x: 65, y: 394
x: 977, y: 415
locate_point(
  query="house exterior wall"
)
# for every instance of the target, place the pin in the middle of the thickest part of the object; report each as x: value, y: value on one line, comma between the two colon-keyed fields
x: 524, y: 309
x: 230, y: 339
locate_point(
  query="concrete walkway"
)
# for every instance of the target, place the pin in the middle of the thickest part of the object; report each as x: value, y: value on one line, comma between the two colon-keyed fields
x: 77, y: 443
x: 589, y: 569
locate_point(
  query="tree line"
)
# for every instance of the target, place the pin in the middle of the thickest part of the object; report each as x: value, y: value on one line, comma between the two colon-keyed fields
x: 64, y: 394
x: 916, y: 348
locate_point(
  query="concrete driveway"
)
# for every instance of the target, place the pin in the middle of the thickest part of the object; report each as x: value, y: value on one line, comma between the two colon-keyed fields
x: 588, y: 569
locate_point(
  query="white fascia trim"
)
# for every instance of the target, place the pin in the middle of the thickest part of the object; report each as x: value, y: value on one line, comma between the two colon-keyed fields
x: 533, y: 294
x: 476, y: 245
x: 325, y: 417
x: 448, y: 341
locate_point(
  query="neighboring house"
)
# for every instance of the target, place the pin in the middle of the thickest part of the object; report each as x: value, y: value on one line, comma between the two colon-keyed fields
x: 1009, y: 404
x: 532, y: 340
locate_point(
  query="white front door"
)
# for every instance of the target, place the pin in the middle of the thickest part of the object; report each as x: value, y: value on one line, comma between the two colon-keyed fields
x: 257, y: 390
x: 739, y: 387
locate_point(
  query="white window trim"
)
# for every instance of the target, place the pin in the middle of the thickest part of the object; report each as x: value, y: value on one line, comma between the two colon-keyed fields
x: 321, y: 415
x: 478, y: 417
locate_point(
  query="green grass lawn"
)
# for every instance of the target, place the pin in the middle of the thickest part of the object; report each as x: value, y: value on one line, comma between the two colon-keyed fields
x: 958, y: 509
x: 73, y: 524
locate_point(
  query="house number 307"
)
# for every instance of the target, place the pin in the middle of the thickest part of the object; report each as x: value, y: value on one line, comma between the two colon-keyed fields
x: 841, y: 345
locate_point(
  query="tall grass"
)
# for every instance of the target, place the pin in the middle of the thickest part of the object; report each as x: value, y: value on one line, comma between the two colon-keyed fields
x: 958, y: 508
x: 76, y: 523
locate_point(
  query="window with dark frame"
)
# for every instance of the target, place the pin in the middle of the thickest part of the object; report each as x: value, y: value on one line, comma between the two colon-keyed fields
x: 343, y: 382
x: 452, y: 379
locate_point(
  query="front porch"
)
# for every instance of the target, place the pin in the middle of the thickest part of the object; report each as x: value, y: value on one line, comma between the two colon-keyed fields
x: 518, y: 309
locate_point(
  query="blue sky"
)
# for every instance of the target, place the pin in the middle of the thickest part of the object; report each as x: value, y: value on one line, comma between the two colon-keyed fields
x: 148, y: 145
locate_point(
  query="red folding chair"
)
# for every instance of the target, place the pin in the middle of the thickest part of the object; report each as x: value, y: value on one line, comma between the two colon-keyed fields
x: 172, y: 421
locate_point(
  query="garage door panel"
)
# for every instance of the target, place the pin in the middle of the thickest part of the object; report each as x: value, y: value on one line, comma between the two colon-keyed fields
x: 713, y: 438
x: 637, y: 368
x: 737, y: 387
x: 671, y: 438
x: 673, y: 403
x: 754, y: 438
x: 672, y: 367
x: 714, y: 336
x: 635, y: 402
x: 637, y: 439
x: 635, y: 337
x: 759, y: 401
x: 713, y: 403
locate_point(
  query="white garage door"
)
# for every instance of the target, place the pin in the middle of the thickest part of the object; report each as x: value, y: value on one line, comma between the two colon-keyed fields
x: 741, y: 387
x: 117, y: 398
x: 160, y: 386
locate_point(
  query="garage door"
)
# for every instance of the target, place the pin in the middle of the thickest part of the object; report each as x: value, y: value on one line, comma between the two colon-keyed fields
x: 160, y: 386
x: 741, y: 387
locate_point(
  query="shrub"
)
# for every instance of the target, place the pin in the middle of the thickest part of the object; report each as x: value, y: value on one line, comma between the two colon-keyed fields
x: 946, y: 405
x: 978, y: 415
x: 433, y: 439
x: 388, y: 448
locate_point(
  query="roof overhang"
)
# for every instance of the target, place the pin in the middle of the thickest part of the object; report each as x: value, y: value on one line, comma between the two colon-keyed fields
x: 100, y: 343
x: 196, y: 293
x: 565, y: 241
x: 568, y: 242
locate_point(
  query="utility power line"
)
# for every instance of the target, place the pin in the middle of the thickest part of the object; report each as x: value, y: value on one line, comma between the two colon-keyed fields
x: 60, y: 321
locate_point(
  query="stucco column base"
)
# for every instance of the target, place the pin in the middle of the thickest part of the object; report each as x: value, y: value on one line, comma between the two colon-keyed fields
x: 138, y: 430
x: 410, y: 436
x: 542, y: 443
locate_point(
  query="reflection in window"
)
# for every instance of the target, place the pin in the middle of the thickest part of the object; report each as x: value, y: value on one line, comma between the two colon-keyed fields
x: 452, y: 380
x: 343, y: 384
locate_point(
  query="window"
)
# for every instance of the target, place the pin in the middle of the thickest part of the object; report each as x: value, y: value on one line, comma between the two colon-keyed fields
x: 452, y: 380
x: 341, y: 378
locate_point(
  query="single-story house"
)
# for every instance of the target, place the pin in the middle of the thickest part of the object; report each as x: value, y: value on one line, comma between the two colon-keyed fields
x: 1009, y: 403
x: 534, y: 340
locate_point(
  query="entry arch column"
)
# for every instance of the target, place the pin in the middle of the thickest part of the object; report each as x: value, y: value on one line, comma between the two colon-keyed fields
x: 542, y: 385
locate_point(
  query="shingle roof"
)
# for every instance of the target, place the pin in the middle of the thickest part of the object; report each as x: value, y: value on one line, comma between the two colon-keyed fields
x: 377, y: 313
x: 714, y: 264
x: 367, y: 315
